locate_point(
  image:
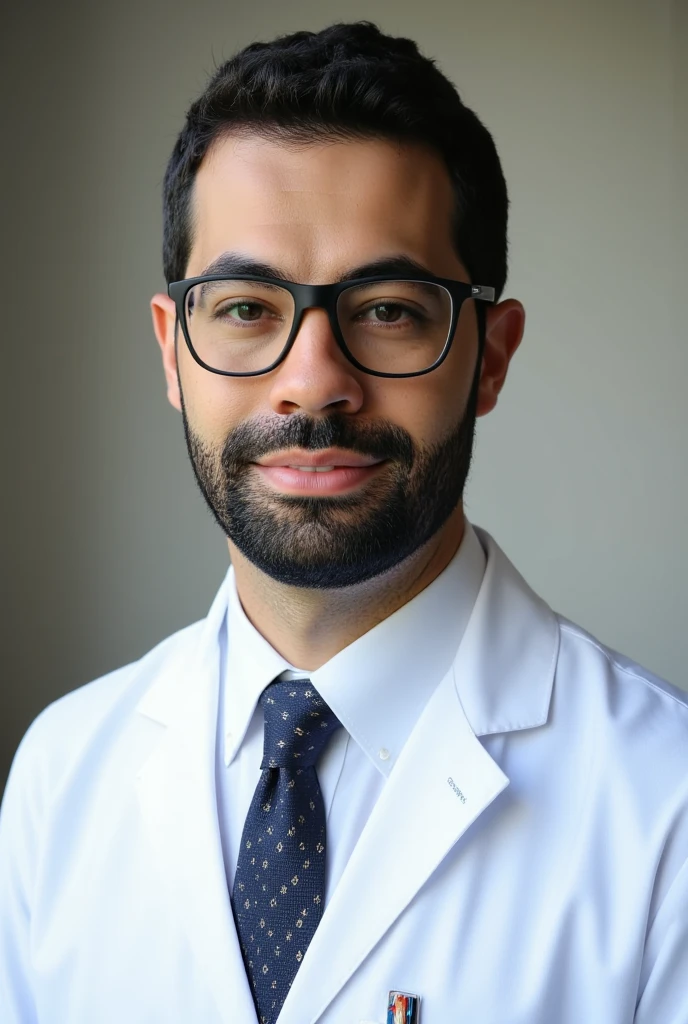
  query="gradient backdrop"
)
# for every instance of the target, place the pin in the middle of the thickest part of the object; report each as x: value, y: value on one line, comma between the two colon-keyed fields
x: 580, y: 473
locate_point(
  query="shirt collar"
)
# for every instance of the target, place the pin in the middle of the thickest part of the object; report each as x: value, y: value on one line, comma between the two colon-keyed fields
x: 378, y: 685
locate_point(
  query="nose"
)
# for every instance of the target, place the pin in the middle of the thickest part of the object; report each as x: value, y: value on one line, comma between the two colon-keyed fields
x: 316, y: 376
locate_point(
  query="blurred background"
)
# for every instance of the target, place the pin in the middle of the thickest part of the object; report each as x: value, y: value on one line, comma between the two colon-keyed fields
x: 580, y: 473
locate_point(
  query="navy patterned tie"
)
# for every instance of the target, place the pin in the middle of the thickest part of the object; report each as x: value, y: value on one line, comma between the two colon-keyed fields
x: 278, y: 893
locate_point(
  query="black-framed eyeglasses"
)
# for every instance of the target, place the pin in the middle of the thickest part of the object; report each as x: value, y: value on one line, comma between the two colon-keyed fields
x: 244, y: 326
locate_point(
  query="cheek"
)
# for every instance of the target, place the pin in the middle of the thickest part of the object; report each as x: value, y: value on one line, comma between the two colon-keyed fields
x: 215, y: 404
x: 430, y: 406
x: 427, y: 407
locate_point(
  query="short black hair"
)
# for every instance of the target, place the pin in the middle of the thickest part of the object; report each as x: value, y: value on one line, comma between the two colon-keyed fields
x: 348, y: 81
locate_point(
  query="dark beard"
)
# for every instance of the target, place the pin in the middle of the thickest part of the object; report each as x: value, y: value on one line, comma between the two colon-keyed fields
x: 334, y: 541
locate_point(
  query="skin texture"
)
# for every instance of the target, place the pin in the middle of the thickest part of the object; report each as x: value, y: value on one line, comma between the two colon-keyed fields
x: 315, y: 211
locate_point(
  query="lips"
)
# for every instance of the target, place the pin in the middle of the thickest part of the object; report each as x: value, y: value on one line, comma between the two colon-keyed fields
x: 317, y: 480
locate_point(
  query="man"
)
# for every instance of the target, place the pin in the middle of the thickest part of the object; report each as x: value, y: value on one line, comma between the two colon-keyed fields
x: 382, y: 780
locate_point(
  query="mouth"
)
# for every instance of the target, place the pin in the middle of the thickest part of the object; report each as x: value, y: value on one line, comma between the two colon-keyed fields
x: 318, y: 473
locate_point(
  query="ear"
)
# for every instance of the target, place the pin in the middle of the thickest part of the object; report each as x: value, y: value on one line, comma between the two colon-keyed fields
x: 164, y: 324
x: 503, y: 332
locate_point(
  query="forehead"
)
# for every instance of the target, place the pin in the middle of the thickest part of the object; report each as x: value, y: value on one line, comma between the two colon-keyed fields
x: 314, y: 209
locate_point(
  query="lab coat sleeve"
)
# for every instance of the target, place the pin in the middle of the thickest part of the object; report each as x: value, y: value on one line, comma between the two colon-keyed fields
x: 20, y: 816
x: 664, y: 978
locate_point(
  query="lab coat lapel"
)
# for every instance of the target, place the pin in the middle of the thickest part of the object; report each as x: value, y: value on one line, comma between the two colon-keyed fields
x: 441, y: 783
x: 178, y: 801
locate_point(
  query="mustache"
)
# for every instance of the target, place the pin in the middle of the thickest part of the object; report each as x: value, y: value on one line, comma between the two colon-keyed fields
x: 256, y: 439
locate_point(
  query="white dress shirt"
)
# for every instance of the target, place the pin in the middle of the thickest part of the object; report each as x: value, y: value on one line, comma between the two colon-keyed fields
x: 377, y: 687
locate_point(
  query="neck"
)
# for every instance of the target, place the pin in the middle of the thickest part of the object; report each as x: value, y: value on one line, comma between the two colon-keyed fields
x: 308, y: 627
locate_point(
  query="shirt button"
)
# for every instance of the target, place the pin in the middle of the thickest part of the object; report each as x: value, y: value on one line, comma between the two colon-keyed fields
x: 383, y: 754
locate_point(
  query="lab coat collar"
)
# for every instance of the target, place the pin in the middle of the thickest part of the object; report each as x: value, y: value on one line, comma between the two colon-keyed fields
x: 501, y: 680
x: 512, y: 633
x: 505, y: 665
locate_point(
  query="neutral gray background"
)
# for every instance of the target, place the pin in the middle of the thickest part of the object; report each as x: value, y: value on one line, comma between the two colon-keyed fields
x: 579, y: 473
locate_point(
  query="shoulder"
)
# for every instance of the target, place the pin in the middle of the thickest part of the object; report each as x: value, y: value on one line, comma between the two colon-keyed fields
x: 583, y: 657
x: 59, y: 736
x: 629, y: 723
x: 625, y: 731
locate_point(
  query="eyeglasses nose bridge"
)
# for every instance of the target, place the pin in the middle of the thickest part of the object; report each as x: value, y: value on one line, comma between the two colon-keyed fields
x: 314, y: 296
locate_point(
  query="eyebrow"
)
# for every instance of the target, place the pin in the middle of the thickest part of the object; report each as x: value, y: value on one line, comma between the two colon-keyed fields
x: 232, y: 263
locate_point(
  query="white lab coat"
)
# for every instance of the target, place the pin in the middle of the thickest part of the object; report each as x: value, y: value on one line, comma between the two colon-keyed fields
x: 526, y: 863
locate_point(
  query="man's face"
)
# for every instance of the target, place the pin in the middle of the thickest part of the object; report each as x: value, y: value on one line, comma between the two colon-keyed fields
x: 315, y: 212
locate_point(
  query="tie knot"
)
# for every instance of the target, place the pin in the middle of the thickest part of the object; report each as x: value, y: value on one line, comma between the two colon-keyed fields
x: 298, y: 724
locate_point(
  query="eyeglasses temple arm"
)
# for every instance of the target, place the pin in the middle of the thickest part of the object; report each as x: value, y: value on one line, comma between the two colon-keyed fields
x: 484, y: 292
